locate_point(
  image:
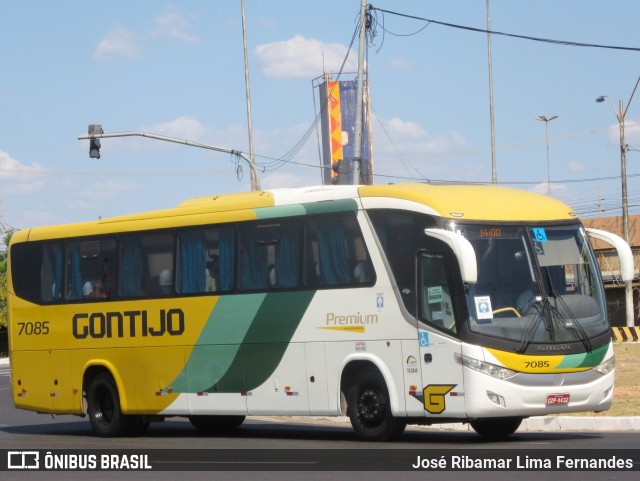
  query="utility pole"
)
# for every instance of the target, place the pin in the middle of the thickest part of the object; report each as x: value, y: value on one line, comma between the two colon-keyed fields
x: 620, y: 115
x: 254, y: 179
x: 357, y: 138
x: 494, y: 172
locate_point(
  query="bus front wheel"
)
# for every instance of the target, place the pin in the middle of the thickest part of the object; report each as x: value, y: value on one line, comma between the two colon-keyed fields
x: 369, y: 408
x: 104, y: 409
x: 496, y: 428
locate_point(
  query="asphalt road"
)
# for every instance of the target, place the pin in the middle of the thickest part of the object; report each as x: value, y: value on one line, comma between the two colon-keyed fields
x: 266, y: 448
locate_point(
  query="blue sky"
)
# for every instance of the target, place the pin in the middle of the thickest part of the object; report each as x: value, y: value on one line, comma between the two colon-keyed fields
x: 177, y: 69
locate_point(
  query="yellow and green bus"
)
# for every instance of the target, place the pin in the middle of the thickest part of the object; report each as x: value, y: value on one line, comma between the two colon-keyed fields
x: 397, y: 304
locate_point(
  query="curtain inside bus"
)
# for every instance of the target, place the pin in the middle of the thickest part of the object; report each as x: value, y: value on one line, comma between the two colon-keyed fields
x: 287, y: 261
x: 192, y: 275
x: 226, y: 249
x: 131, y: 267
x: 75, y: 274
x: 332, y: 253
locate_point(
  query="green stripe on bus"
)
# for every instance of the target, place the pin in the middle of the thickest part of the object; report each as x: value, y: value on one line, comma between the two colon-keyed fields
x: 590, y: 359
x: 280, y: 211
x: 219, y: 341
x: 266, y: 341
x: 326, y: 207
x: 243, y: 342
x: 329, y: 206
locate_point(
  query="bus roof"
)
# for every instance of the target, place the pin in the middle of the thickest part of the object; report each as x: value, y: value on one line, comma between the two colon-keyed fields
x: 456, y: 201
x: 476, y: 202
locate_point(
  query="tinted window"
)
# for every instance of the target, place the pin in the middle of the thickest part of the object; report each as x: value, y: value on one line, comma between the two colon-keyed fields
x: 146, y: 265
x: 335, y: 253
x: 205, y: 260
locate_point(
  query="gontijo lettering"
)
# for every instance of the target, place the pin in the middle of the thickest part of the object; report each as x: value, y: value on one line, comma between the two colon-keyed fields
x: 98, y: 325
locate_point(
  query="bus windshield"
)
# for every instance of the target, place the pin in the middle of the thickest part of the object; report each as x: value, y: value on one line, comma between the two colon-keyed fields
x: 536, y: 284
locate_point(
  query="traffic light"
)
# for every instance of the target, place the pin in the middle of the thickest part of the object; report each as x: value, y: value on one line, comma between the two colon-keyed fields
x: 341, y: 168
x: 94, y: 148
x: 94, y: 144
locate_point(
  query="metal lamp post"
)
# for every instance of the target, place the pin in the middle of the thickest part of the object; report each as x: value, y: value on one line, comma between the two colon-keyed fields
x: 546, y: 121
x: 620, y: 115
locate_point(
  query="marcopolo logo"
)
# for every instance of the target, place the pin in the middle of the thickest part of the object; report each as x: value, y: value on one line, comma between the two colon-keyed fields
x: 23, y: 460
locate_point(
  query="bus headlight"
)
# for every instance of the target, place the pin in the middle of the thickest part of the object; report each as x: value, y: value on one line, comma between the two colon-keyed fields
x: 492, y: 370
x: 606, y: 367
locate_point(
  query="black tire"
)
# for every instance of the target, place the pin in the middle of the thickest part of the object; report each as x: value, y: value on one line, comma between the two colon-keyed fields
x: 104, y: 409
x: 369, y: 408
x: 139, y: 426
x: 496, y: 428
x: 207, y: 424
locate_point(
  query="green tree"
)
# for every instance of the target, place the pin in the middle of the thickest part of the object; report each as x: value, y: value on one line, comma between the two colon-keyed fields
x: 3, y: 282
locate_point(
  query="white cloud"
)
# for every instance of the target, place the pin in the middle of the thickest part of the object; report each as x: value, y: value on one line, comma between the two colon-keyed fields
x: 104, y: 189
x: 184, y: 127
x: 631, y: 134
x: 288, y: 180
x: 174, y: 24
x: 411, y: 139
x: 18, y: 178
x: 302, y: 57
x: 575, y: 166
x: 120, y: 42
x: 401, y: 64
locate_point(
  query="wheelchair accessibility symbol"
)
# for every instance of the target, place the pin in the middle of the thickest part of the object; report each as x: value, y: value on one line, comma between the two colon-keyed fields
x: 540, y: 234
x: 424, y: 338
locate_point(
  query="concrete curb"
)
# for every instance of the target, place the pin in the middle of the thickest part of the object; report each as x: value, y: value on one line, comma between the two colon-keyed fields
x: 530, y: 425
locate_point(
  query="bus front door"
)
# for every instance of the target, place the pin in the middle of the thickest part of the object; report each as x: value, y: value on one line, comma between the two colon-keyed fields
x: 442, y: 382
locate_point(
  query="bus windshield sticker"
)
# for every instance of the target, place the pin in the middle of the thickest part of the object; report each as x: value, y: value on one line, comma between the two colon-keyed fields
x: 483, y: 307
x: 434, y: 294
x: 540, y: 234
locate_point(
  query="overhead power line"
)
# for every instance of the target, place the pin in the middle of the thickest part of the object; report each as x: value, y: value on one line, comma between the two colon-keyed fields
x: 504, y: 34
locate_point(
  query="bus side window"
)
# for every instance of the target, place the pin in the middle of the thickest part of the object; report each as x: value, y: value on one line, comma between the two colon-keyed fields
x: 335, y: 253
x: 253, y: 268
x: 284, y: 256
x: 89, y: 274
x: 26, y: 265
x: 146, y: 265
x: 205, y: 260
x: 51, y: 277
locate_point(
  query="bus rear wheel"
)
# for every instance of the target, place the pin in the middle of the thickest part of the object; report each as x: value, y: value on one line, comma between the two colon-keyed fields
x: 369, y: 408
x: 209, y: 424
x: 496, y: 428
x: 104, y: 409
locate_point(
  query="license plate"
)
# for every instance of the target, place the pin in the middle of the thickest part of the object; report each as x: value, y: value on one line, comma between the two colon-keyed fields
x: 557, y: 399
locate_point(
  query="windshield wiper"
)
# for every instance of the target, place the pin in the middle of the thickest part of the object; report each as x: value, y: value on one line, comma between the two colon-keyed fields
x: 573, y: 323
x: 532, y: 326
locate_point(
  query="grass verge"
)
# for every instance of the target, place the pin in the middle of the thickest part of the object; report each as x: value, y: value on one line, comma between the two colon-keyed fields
x: 626, y: 398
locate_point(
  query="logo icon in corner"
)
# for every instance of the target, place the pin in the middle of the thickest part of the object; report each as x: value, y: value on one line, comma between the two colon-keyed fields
x: 23, y: 460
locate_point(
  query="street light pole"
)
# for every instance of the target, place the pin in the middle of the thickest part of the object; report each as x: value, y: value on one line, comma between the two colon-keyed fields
x: 546, y: 121
x: 620, y: 115
x: 494, y: 173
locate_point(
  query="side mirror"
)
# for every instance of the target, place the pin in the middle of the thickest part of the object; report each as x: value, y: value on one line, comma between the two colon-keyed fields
x: 463, y: 250
x: 627, y: 270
